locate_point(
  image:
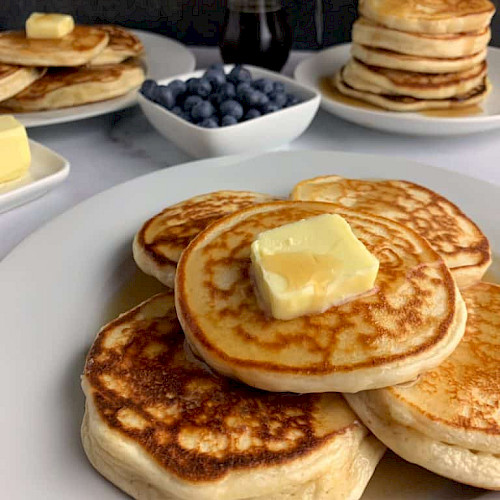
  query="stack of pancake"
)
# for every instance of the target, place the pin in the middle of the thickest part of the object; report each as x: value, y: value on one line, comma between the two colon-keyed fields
x: 92, y: 63
x: 419, y: 54
x: 190, y: 394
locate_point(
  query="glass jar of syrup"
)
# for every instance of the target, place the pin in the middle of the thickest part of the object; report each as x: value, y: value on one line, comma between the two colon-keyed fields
x: 255, y: 32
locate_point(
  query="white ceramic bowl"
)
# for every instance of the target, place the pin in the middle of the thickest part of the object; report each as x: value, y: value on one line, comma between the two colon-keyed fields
x: 262, y: 133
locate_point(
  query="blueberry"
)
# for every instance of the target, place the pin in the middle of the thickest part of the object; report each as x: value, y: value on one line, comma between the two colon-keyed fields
x: 264, y: 85
x: 227, y: 89
x: 239, y: 74
x: 199, y: 86
x: 252, y: 113
x: 186, y: 116
x: 215, y: 77
x: 262, y: 98
x: 228, y: 120
x: 191, y: 101
x: 291, y: 100
x: 250, y: 97
x: 202, y: 110
x: 164, y: 97
x: 217, y: 67
x: 209, y: 123
x: 148, y: 88
x: 278, y: 98
x: 176, y: 110
x: 279, y: 87
x: 241, y: 88
x: 269, y: 107
x: 178, y: 87
x: 231, y: 107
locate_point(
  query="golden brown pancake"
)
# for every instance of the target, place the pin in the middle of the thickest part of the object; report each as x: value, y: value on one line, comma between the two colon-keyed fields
x: 13, y: 79
x: 448, y: 420
x: 65, y: 87
x: 160, y: 424
x: 122, y: 45
x: 458, y: 240
x: 412, y: 319
x: 74, y: 49
x: 429, y: 16
x: 160, y: 241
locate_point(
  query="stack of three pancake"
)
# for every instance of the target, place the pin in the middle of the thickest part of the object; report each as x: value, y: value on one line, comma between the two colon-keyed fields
x: 419, y: 54
x: 91, y: 63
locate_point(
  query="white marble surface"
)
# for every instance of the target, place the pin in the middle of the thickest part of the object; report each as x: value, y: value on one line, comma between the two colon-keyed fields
x: 112, y: 149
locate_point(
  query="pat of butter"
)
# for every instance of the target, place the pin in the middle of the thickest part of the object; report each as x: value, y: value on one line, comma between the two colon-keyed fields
x: 15, y: 156
x: 40, y: 25
x: 308, y: 266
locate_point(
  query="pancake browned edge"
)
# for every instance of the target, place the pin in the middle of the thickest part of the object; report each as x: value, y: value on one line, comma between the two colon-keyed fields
x: 159, y: 243
x: 160, y: 425
x: 65, y: 87
x: 459, y: 241
x: 13, y: 79
x: 448, y: 420
x: 410, y: 321
x: 74, y: 49
x: 122, y: 45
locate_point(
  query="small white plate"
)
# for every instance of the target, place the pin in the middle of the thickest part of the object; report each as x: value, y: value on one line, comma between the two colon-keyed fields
x: 259, y: 134
x: 163, y: 57
x: 327, y: 62
x: 47, y: 170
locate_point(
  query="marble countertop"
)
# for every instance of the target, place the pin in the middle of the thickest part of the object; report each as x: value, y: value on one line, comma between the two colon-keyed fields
x: 111, y: 149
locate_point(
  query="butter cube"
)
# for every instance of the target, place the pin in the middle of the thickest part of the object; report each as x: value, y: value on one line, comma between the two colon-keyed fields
x: 308, y: 266
x: 15, y: 155
x: 41, y: 25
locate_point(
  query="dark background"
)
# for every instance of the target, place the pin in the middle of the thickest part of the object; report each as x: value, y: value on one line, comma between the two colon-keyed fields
x: 197, y: 21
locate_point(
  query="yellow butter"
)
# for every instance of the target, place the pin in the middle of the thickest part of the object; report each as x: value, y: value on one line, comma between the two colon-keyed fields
x: 308, y: 266
x: 15, y: 156
x: 41, y: 25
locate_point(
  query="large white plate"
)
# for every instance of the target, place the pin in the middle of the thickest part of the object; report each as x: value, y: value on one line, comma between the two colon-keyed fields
x: 64, y: 281
x: 163, y: 57
x: 47, y: 170
x: 327, y: 62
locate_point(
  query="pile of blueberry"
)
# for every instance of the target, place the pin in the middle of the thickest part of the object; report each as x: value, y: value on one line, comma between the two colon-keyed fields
x: 218, y: 99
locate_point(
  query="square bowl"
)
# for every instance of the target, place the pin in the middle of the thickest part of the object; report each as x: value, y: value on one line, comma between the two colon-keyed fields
x: 262, y: 133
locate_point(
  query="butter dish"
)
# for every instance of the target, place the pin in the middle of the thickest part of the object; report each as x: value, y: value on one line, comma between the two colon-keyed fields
x: 47, y: 170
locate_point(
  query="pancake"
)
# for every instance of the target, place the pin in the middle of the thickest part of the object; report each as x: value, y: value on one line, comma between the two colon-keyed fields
x: 65, y: 87
x: 407, y: 103
x: 365, y: 32
x: 160, y: 424
x: 429, y: 16
x: 412, y: 319
x: 448, y: 420
x: 394, y: 60
x: 74, y: 49
x: 419, y: 85
x: 159, y: 243
x: 13, y: 79
x: 122, y: 45
x: 457, y: 239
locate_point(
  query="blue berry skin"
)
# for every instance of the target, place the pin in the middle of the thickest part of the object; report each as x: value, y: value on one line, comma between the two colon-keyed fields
x: 191, y: 101
x: 262, y: 98
x: 279, y: 87
x: 231, y: 107
x: 250, y: 98
x: 202, y: 110
x: 278, y: 98
x: 164, y: 97
x: 239, y: 74
x: 176, y: 110
x: 269, y: 107
x: 242, y: 88
x: 217, y: 67
x: 228, y: 120
x: 178, y: 88
x: 252, y: 113
x: 291, y: 100
x: 199, y: 86
x: 148, y: 89
x: 215, y: 77
x: 227, y: 89
x: 264, y: 85
x: 209, y: 123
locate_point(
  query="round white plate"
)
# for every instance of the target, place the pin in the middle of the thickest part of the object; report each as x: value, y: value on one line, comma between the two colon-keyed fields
x: 327, y: 62
x: 163, y: 57
x: 60, y: 285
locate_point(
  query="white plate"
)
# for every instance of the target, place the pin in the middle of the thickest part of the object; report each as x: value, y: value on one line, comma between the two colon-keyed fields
x: 65, y: 280
x: 327, y: 62
x: 47, y: 170
x: 163, y: 57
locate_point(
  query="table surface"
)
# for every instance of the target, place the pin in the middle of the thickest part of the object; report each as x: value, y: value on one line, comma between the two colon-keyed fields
x: 111, y: 149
